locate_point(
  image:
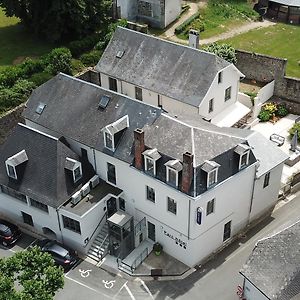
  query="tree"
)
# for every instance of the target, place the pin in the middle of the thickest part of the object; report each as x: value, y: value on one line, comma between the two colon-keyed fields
x: 59, y: 60
x: 31, y: 275
x: 57, y: 20
x: 224, y: 51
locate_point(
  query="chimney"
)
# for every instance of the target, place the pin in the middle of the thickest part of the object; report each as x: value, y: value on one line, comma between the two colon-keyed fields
x: 139, y: 148
x: 187, y: 172
x: 194, y: 38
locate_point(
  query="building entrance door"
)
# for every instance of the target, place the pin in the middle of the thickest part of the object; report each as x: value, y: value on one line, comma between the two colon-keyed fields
x: 111, y: 206
x: 151, y: 231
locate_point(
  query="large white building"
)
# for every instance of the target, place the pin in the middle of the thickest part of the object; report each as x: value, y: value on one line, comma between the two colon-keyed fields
x: 182, y: 182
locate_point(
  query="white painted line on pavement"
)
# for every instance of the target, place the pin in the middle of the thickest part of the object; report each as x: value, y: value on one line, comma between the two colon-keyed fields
x: 129, y: 291
x: 86, y: 286
x: 119, y: 290
x: 146, y: 288
x: 31, y: 243
x: 13, y: 251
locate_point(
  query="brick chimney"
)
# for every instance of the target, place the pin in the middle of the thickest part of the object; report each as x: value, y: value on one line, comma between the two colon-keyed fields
x: 139, y: 148
x: 187, y: 172
x: 194, y: 39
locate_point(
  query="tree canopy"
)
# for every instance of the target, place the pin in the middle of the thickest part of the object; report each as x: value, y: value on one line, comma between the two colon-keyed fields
x: 56, y: 20
x: 31, y: 275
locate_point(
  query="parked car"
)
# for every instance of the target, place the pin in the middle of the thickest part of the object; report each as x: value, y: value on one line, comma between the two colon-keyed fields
x: 9, y: 233
x: 62, y: 255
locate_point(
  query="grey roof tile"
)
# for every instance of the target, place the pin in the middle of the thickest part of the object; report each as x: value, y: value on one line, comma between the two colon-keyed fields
x: 170, y: 69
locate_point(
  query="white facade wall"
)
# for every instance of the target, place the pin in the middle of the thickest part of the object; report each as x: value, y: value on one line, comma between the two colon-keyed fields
x: 12, y: 208
x: 252, y: 293
x: 230, y: 77
x: 172, y: 10
x: 127, y: 8
x: 265, y: 198
x: 150, y: 97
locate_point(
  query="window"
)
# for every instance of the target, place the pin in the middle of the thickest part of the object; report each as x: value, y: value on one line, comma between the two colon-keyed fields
x: 108, y: 140
x: 212, y: 177
x: 227, y: 231
x: 267, y: 179
x: 77, y: 173
x: 11, y: 171
x: 211, y: 105
x: 172, y: 206
x: 13, y: 193
x: 228, y: 93
x: 149, y: 165
x: 151, y: 231
x: 150, y: 193
x: 172, y: 178
x: 121, y: 204
x: 27, y: 219
x: 210, y: 207
x: 39, y: 205
x: 71, y: 224
x: 111, y: 173
x: 113, y: 84
x: 244, y: 160
x: 145, y: 9
x: 138, y: 93
x: 220, y: 77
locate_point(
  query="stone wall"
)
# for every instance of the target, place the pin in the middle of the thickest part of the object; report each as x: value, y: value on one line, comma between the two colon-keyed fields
x: 89, y: 75
x: 9, y: 120
x: 264, y: 68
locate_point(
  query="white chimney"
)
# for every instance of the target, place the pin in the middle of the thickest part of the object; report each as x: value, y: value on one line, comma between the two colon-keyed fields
x: 194, y: 38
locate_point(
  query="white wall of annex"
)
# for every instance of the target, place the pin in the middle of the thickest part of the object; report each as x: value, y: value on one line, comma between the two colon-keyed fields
x: 172, y: 10
x: 231, y: 78
x: 265, y: 198
x: 12, y: 209
x: 252, y: 293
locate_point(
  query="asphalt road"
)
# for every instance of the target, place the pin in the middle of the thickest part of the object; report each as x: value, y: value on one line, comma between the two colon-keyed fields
x: 217, y: 279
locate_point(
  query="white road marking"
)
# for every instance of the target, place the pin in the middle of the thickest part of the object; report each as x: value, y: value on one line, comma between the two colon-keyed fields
x: 108, y: 284
x: 31, y: 243
x: 146, y: 288
x: 119, y: 290
x: 88, y: 287
x: 13, y: 251
x: 84, y: 273
x: 129, y: 291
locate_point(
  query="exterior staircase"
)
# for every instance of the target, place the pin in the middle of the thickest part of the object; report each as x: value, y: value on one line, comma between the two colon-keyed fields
x: 100, y: 245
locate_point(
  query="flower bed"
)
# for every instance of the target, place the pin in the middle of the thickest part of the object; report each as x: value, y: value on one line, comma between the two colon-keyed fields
x: 272, y: 111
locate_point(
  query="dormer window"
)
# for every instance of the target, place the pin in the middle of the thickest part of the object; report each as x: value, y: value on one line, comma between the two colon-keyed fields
x: 173, y: 167
x: 244, y: 152
x: 113, y: 132
x: 75, y: 167
x: 108, y: 141
x: 211, y: 168
x: 13, y: 162
x: 150, y: 158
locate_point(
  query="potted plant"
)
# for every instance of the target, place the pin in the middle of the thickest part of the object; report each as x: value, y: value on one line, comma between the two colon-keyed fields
x: 157, y: 248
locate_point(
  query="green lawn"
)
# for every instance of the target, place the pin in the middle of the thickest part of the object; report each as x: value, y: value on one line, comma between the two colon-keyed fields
x: 280, y: 40
x: 16, y: 44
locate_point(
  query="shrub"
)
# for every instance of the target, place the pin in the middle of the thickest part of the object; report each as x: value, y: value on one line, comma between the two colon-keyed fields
x: 10, y: 75
x: 292, y: 130
x: 181, y: 28
x: 40, y: 78
x: 30, y: 66
x: 224, y: 51
x: 91, y: 58
x: 77, y: 66
x: 271, y: 107
x: 59, y: 60
x: 264, y: 115
x: 80, y: 46
x: 282, y: 111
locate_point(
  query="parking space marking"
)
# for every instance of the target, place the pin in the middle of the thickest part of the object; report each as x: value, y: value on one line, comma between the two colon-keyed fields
x: 146, y: 288
x: 118, y: 292
x: 86, y: 286
x: 129, y: 291
x: 31, y: 243
x: 11, y: 250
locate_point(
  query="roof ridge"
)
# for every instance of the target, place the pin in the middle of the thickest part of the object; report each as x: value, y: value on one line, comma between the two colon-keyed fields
x: 38, y: 131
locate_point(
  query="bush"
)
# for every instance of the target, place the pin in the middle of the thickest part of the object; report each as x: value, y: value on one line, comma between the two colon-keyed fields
x: 30, y: 67
x: 91, y: 58
x: 282, y: 111
x: 10, y: 75
x: 181, y: 28
x: 80, y: 46
x: 40, y: 78
x: 292, y: 130
x: 224, y: 51
x: 264, y: 115
x: 59, y: 60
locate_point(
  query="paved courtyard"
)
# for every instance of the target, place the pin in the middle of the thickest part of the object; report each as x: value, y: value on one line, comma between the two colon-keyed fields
x: 281, y: 128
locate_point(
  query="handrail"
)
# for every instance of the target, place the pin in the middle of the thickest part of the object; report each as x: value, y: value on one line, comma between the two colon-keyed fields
x: 88, y: 239
x: 99, y: 254
x: 134, y: 264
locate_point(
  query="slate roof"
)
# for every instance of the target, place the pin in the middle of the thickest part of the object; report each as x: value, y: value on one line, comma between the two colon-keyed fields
x: 43, y: 176
x: 72, y: 110
x: 273, y: 267
x: 176, y: 71
x: 288, y: 2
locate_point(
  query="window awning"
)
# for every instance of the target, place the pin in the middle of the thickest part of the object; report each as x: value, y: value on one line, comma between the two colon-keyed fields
x: 231, y: 115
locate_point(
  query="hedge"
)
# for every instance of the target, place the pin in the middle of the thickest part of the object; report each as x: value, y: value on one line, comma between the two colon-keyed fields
x: 88, y: 43
x: 179, y: 29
